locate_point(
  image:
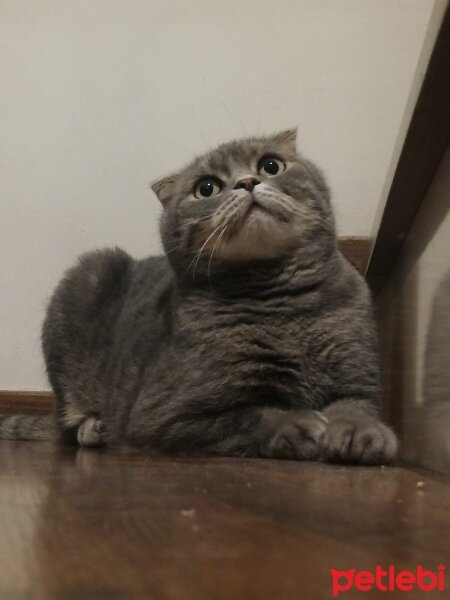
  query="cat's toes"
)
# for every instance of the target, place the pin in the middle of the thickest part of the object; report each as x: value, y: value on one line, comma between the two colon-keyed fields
x: 90, y: 432
x: 299, y: 437
x: 368, y: 442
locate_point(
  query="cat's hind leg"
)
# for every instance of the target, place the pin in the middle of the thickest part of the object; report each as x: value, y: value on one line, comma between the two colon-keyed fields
x: 90, y: 432
x: 78, y: 427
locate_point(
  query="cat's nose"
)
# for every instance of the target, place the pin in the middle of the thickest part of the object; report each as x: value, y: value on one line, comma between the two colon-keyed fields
x: 247, y: 184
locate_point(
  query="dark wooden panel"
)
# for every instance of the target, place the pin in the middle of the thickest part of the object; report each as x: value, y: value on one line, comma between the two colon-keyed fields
x: 426, y: 141
x: 93, y: 525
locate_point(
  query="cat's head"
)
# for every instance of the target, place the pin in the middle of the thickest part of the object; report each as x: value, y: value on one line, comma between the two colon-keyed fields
x: 247, y: 200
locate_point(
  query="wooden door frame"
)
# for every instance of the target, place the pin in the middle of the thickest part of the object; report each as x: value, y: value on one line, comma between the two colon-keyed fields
x: 426, y: 141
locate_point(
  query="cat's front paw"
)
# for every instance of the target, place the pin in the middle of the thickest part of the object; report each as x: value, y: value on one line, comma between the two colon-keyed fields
x: 360, y: 441
x: 298, y: 435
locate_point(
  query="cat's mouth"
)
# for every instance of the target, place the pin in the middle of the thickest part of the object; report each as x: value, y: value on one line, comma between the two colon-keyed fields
x: 258, y: 212
x: 255, y: 210
x: 252, y: 225
x: 257, y: 229
x: 249, y: 218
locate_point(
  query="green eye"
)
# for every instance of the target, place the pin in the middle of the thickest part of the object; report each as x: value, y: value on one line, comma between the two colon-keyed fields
x: 271, y: 166
x: 207, y: 188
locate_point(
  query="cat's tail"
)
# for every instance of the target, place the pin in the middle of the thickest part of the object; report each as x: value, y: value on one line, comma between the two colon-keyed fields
x: 27, y: 427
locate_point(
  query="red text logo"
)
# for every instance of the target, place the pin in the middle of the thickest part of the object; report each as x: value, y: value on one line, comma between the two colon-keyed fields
x: 387, y: 580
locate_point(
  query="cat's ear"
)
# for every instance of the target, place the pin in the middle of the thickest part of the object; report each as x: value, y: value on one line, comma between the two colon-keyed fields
x: 164, y: 188
x: 287, y: 137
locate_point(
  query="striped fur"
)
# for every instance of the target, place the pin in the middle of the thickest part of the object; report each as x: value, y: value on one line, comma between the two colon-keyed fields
x: 27, y: 427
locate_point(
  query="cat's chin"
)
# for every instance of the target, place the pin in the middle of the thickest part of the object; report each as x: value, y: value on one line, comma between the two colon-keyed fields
x: 260, y: 236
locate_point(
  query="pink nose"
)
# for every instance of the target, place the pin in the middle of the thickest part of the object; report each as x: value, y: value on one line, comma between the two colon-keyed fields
x: 247, y: 184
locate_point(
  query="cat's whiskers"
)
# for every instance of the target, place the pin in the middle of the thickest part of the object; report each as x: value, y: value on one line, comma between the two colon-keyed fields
x: 199, y: 253
x: 189, y: 223
x: 214, y: 247
x: 173, y: 249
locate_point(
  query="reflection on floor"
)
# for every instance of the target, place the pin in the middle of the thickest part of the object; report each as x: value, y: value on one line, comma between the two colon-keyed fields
x: 110, y: 525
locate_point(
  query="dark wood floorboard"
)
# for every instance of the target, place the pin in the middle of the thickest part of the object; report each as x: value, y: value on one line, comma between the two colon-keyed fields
x: 80, y: 524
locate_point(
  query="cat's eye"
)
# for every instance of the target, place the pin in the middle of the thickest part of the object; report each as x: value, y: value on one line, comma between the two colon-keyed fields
x: 207, y: 188
x: 271, y: 166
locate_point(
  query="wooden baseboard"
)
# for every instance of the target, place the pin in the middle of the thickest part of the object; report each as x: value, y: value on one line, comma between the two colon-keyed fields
x: 27, y: 403
x: 355, y: 250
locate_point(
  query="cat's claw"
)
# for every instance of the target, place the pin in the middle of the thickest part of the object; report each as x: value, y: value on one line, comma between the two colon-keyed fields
x: 360, y: 441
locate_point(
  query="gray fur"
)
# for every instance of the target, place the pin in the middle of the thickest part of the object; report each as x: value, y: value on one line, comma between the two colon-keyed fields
x: 27, y: 427
x: 252, y: 336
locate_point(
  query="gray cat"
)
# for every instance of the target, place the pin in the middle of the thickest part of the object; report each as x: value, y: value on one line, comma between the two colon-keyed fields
x: 253, y: 336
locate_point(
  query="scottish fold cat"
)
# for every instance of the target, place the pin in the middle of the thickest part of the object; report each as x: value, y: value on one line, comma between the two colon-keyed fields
x: 252, y: 336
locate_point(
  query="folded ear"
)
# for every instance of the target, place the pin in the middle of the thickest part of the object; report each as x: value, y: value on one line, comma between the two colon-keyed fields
x: 288, y: 137
x: 164, y: 188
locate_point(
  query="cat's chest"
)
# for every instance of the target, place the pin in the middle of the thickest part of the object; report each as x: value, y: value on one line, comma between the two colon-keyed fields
x: 256, y: 345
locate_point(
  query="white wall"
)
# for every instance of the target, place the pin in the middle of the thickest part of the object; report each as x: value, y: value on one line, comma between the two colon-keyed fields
x: 98, y: 97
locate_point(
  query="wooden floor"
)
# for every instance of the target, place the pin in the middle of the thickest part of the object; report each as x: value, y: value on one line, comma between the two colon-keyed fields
x: 85, y: 524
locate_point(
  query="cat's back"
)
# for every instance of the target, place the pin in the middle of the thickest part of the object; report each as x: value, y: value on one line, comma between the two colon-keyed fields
x: 85, y: 299
x: 93, y: 293
x: 101, y: 309
x: 97, y: 278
